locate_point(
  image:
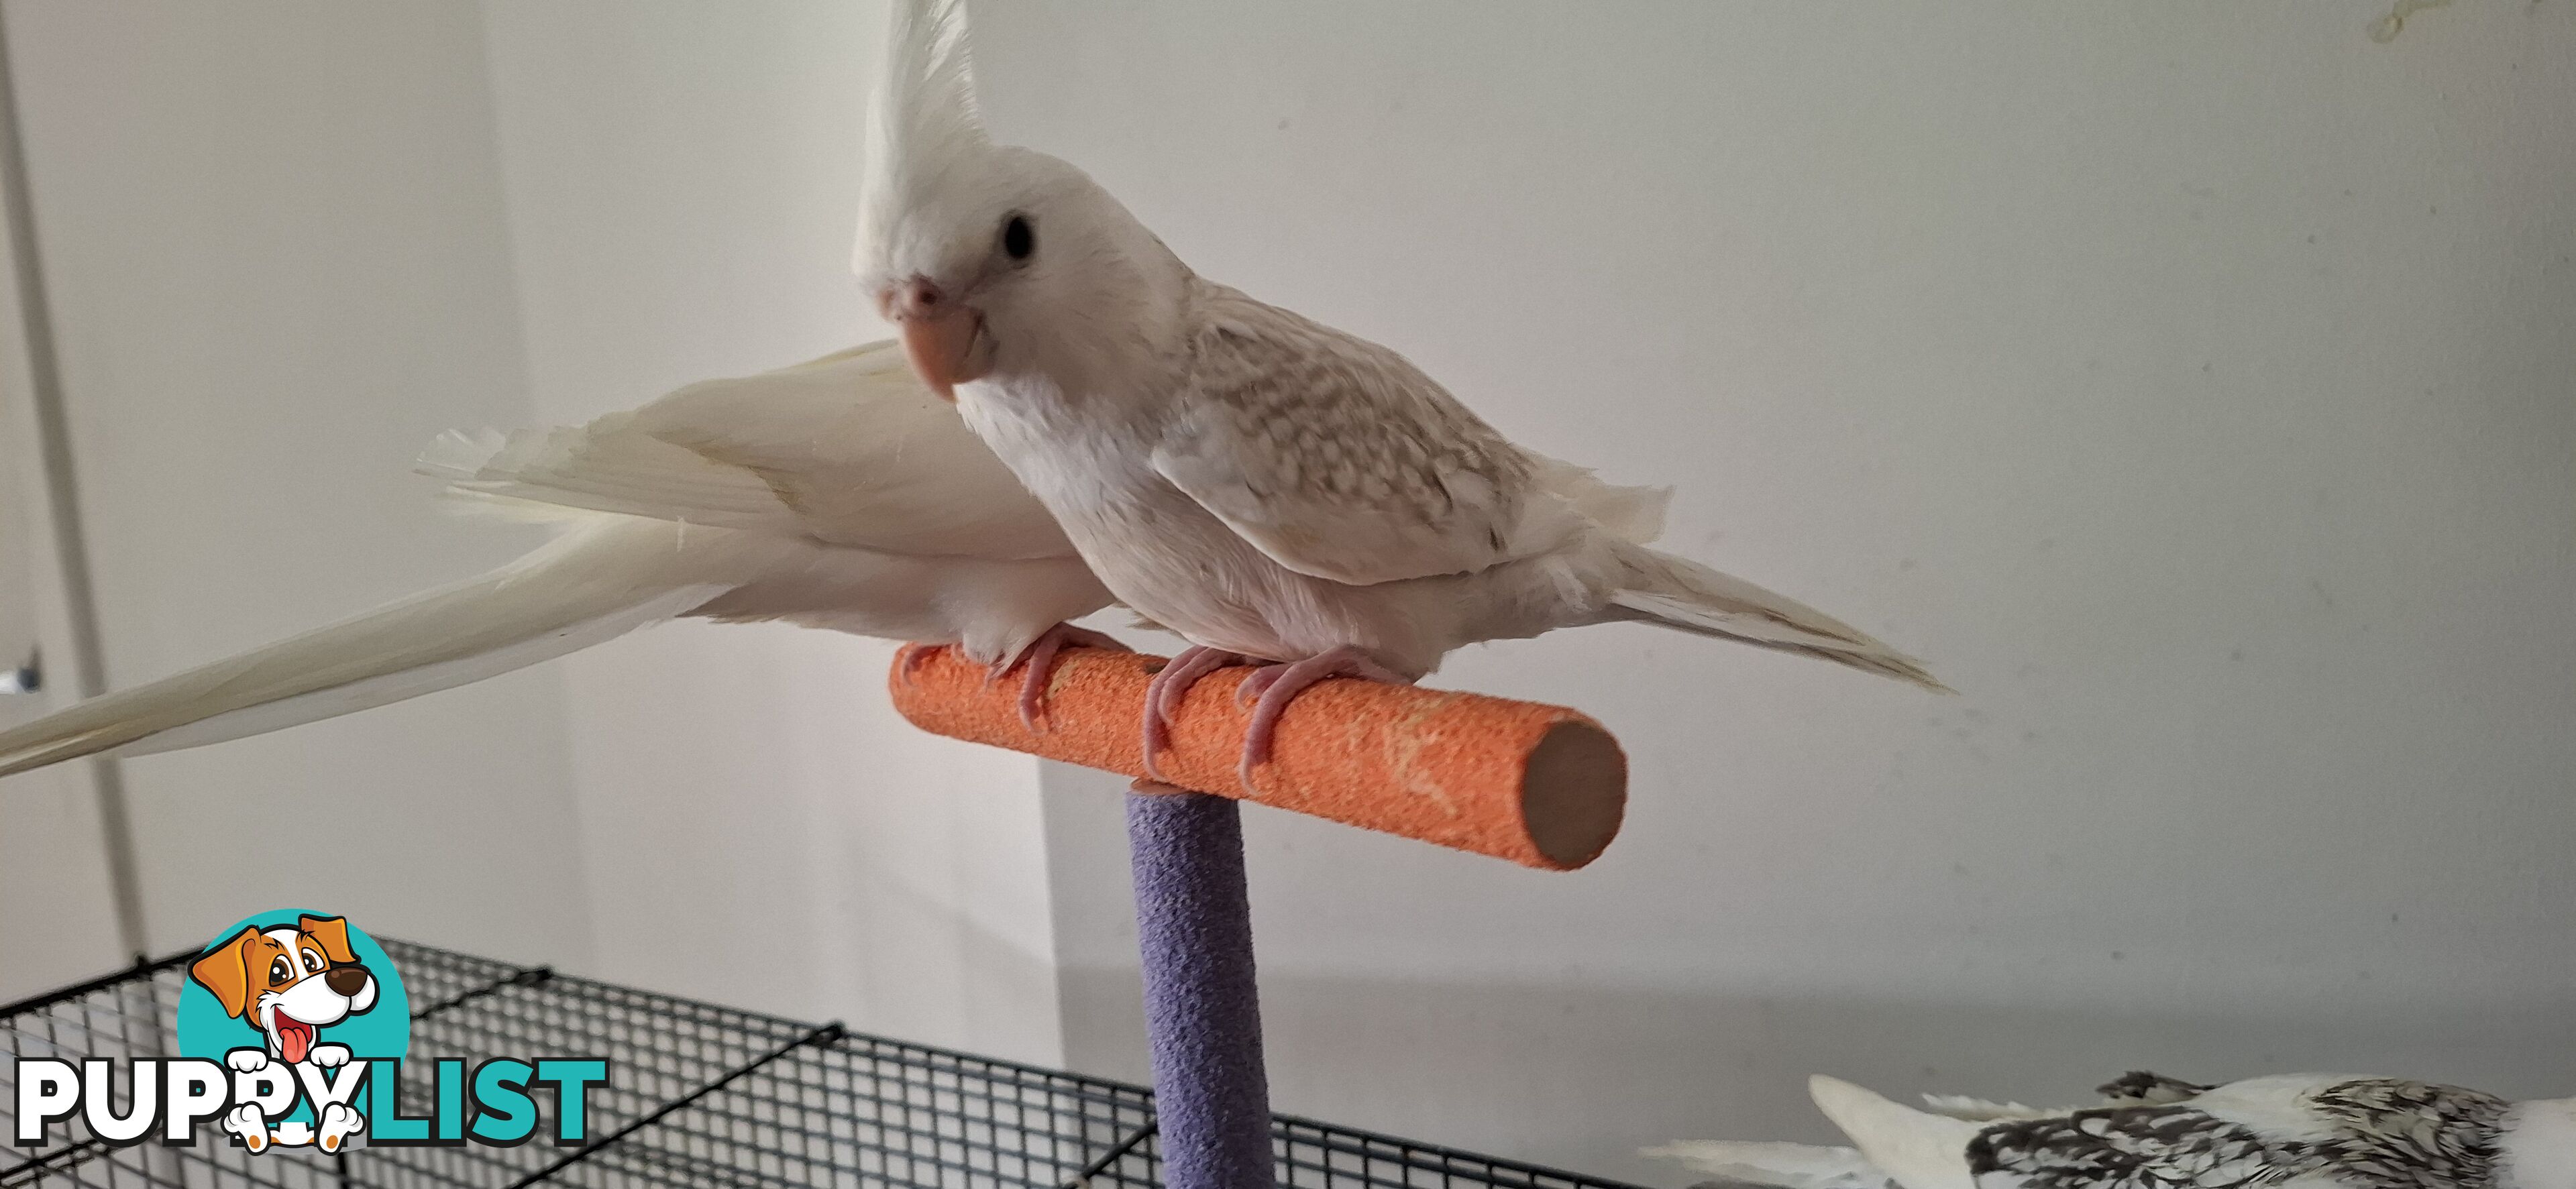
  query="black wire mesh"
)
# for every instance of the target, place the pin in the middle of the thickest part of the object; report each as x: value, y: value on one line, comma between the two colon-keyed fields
x: 698, y: 1095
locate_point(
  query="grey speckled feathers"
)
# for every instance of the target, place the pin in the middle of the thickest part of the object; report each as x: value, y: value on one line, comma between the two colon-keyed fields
x: 2300, y: 1131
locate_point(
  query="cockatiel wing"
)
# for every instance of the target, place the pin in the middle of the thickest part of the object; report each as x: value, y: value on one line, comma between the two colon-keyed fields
x: 1340, y: 460
x: 2141, y: 1145
x: 849, y: 449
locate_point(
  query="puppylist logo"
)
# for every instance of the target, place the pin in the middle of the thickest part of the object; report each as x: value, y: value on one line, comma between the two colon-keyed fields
x: 293, y: 1032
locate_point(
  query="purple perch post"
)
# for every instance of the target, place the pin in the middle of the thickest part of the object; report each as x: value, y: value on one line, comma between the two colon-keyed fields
x: 1202, y: 1011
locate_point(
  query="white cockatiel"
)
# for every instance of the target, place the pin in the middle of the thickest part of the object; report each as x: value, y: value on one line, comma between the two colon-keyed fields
x: 2296, y: 1131
x: 835, y: 494
x: 1276, y: 491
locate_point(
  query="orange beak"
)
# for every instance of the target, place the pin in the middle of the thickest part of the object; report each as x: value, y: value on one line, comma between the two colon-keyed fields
x: 944, y: 340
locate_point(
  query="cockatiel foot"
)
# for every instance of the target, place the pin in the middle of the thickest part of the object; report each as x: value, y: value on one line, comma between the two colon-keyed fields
x: 1271, y: 687
x: 1039, y: 658
x: 1163, y: 695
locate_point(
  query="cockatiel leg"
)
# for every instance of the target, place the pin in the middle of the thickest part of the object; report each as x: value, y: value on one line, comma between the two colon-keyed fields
x: 1278, y: 685
x: 1163, y: 695
x: 1039, y: 659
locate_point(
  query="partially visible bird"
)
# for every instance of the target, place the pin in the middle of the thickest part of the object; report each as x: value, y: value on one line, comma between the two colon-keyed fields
x: 2296, y: 1131
x: 1739, y: 1163
x: 1278, y: 492
x: 834, y: 494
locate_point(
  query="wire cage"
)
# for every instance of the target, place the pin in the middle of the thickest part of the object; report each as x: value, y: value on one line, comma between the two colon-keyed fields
x: 699, y: 1095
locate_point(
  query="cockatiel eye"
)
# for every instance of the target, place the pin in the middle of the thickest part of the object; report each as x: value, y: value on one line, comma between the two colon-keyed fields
x: 1019, y: 239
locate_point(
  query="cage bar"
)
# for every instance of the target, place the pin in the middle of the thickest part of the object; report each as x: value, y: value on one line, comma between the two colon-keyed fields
x: 700, y: 1095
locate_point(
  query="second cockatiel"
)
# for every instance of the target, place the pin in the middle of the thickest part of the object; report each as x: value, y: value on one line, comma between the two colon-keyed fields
x: 836, y: 494
x: 1276, y: 491
x: 2295, y: 1131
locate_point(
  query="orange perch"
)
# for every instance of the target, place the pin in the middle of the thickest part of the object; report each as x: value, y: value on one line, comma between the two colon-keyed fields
x: 1542, y: 786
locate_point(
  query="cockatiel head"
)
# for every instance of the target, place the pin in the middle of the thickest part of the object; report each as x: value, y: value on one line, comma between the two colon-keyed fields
x: 992, y: 260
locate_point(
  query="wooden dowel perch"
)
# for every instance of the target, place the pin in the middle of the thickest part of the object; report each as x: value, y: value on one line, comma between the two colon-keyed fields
x: 1542, y: 786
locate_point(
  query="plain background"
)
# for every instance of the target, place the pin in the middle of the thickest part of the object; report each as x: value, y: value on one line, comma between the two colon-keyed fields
x: 2190, y: 383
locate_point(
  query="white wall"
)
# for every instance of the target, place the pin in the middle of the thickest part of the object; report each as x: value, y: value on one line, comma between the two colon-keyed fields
x: 682, y: 182
x: 274, y: 248
x: 2190, y: 383
x: 59, y: 925
x: 1996, y: 327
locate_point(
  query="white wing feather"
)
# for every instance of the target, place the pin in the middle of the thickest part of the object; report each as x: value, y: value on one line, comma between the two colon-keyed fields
x: 1982, y: 1110
x: 1338, y: 459
x: 1918, y: 1149
x: 849, y: 449
x: 1784, y: 1166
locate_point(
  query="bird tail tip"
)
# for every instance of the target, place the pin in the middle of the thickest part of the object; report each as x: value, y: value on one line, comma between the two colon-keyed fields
x: 1758, y: 627
x: 1916, y: 1148
x: 1777, y: 1165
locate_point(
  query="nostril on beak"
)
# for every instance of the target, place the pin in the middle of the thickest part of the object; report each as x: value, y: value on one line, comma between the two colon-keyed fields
x: 916, y: 298
x: 345, y: 980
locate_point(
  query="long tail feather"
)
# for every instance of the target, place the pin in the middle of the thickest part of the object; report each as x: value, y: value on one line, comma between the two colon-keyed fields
x: 1679, y: 593
x: 590, y: 585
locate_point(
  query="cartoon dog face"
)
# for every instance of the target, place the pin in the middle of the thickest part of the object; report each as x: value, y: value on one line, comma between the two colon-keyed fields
x: 290, y: 983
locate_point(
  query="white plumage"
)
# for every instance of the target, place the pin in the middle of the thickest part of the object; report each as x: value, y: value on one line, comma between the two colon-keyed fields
x: 1273, y: 489
x: 2298, y: 1131
x: 835, y: 494
x: 1785, y: 1166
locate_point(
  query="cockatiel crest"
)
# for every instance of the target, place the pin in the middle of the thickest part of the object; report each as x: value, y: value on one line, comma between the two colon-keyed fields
x: 950, y: 228
x: 925, y: 131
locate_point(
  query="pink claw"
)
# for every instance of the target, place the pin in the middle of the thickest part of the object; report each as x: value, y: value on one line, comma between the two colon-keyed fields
x: 1280, y: 684
x: 1163, y: 695
x: 911, y: 657
x: 1039, y: 657
x: 1253, y: 683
